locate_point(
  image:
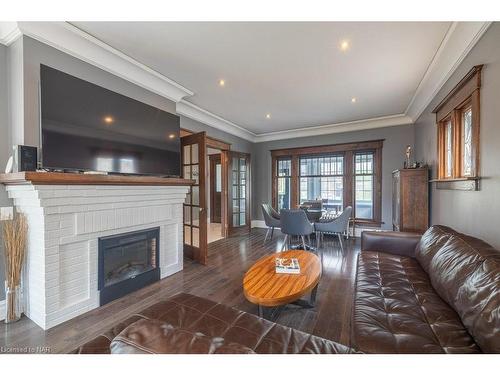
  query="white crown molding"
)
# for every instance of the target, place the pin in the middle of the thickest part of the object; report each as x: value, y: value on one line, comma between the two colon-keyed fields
x: 457, y: 43
x: 342, y: 127
x: 9, y: 32
x: 196, y: 113
x: 75, y: 42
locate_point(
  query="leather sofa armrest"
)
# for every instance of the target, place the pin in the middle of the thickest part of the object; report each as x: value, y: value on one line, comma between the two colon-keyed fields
x: 398, y: 243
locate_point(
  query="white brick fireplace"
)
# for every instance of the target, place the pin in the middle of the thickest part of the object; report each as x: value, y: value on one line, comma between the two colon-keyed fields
x: 65, y: 222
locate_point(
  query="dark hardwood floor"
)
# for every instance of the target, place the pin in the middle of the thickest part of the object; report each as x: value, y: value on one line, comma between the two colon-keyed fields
x: 221, y: 281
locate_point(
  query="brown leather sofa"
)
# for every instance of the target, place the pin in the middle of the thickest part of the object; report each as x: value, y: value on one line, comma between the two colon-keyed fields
x: 194, y: 325
x: 435, y: 293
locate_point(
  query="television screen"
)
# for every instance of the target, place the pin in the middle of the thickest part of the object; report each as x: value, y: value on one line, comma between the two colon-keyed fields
x: 90, y: 128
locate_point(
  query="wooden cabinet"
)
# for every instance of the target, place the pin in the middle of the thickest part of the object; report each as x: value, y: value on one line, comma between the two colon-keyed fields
x: 410, y: 200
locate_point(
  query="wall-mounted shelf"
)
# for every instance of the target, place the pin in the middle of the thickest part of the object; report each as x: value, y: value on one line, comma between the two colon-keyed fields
x: 464, y: 183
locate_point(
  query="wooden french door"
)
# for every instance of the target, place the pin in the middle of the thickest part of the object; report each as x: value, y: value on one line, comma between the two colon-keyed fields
x: 195, y: 206
x: 239, y: 192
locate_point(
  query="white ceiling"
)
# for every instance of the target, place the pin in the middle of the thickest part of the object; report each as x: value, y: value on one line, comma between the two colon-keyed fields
x: 294, y: 71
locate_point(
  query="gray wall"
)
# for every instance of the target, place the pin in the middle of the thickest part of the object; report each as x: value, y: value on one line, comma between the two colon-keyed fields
x: 473, y: 212
x: 396, y: 140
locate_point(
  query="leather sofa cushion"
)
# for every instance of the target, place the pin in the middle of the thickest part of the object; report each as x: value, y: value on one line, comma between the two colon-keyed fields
x: 431, y: 242
x: 148, y: 336
x: 199, y: 315
x: 396, y: 310
x: 465, y: 272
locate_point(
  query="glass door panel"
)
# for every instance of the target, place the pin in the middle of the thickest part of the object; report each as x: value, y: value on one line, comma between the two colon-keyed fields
x: 239, y: 204
x: 195, y: 213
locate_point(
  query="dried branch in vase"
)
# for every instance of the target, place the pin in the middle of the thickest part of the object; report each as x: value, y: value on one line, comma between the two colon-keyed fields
x: 14, y: 236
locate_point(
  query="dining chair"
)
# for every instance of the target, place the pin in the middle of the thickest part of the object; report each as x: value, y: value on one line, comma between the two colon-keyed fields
x: 337, y: 226
x: 295, y: 223
x: 271, y: 218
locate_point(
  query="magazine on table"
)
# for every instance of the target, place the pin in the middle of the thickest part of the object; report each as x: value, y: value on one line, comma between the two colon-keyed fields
x: 287, y: 265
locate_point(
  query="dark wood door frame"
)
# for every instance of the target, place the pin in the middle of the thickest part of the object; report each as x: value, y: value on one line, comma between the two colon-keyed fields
x: 224, y: 147
x: 194, y: 166
x: 215, y: 197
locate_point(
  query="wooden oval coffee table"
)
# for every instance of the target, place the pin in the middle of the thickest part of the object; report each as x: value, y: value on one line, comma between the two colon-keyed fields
x: 266, y: 288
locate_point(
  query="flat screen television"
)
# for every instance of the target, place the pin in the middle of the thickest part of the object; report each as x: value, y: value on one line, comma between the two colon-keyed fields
x: 86, y: 127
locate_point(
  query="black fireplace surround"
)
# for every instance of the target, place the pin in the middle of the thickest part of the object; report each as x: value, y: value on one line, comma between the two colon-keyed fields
x: 128, y: 262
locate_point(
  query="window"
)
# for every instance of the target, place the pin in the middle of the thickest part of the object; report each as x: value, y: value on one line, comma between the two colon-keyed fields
x: 467, y: 142
x: 363, y: 185
x: 458, y: 130
x: 322, y: 178
x: 341, y: 175
x: 284, y: 171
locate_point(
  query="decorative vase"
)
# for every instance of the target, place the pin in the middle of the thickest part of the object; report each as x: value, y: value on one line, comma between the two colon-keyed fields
x: 13, y: 306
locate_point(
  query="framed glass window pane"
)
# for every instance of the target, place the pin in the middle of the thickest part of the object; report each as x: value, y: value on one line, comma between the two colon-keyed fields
x: 242, y: 218
x: 363, y: 185
x: 328, y: 189
x: 195, y: 173
x: 284, y: 167
x: 187, y: 154
x: 194, y: 154
x: 448, y: 149
x: 187, y: 235
x: 236, y: 222
x: 196, y: 216
x: 284, y: 193
x: 196, y: 237
x: 467, y: 142
x: 187, y: 172
x: 187, y: 214
x: 363, y: 164
x: 364, y: 197
x: 195, y: 191
x: 218, y: 178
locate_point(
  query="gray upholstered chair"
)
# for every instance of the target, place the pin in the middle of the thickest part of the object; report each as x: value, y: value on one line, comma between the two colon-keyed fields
x: 271, y: 218
x: 338, y: 226
x: 295, y: 223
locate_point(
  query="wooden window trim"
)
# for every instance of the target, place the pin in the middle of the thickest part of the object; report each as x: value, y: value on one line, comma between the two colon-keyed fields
x: 466, y: 94
x: 348, y: 150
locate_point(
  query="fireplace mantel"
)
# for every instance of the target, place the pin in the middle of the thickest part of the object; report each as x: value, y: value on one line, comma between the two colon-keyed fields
x: 58, y: 178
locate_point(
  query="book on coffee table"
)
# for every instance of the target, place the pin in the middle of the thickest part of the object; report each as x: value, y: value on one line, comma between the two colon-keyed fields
x: 287, y: 265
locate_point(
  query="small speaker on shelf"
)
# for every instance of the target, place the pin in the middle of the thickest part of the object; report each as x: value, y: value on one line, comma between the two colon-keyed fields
x: 25, y: 158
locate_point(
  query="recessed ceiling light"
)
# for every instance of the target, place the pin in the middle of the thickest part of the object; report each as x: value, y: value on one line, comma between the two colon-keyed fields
x: 222, y: 83
x: 109, y: 120
x: 344, y: 45
x: 268, y: 115
x: 353, y: 100
x: 171, y: 136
